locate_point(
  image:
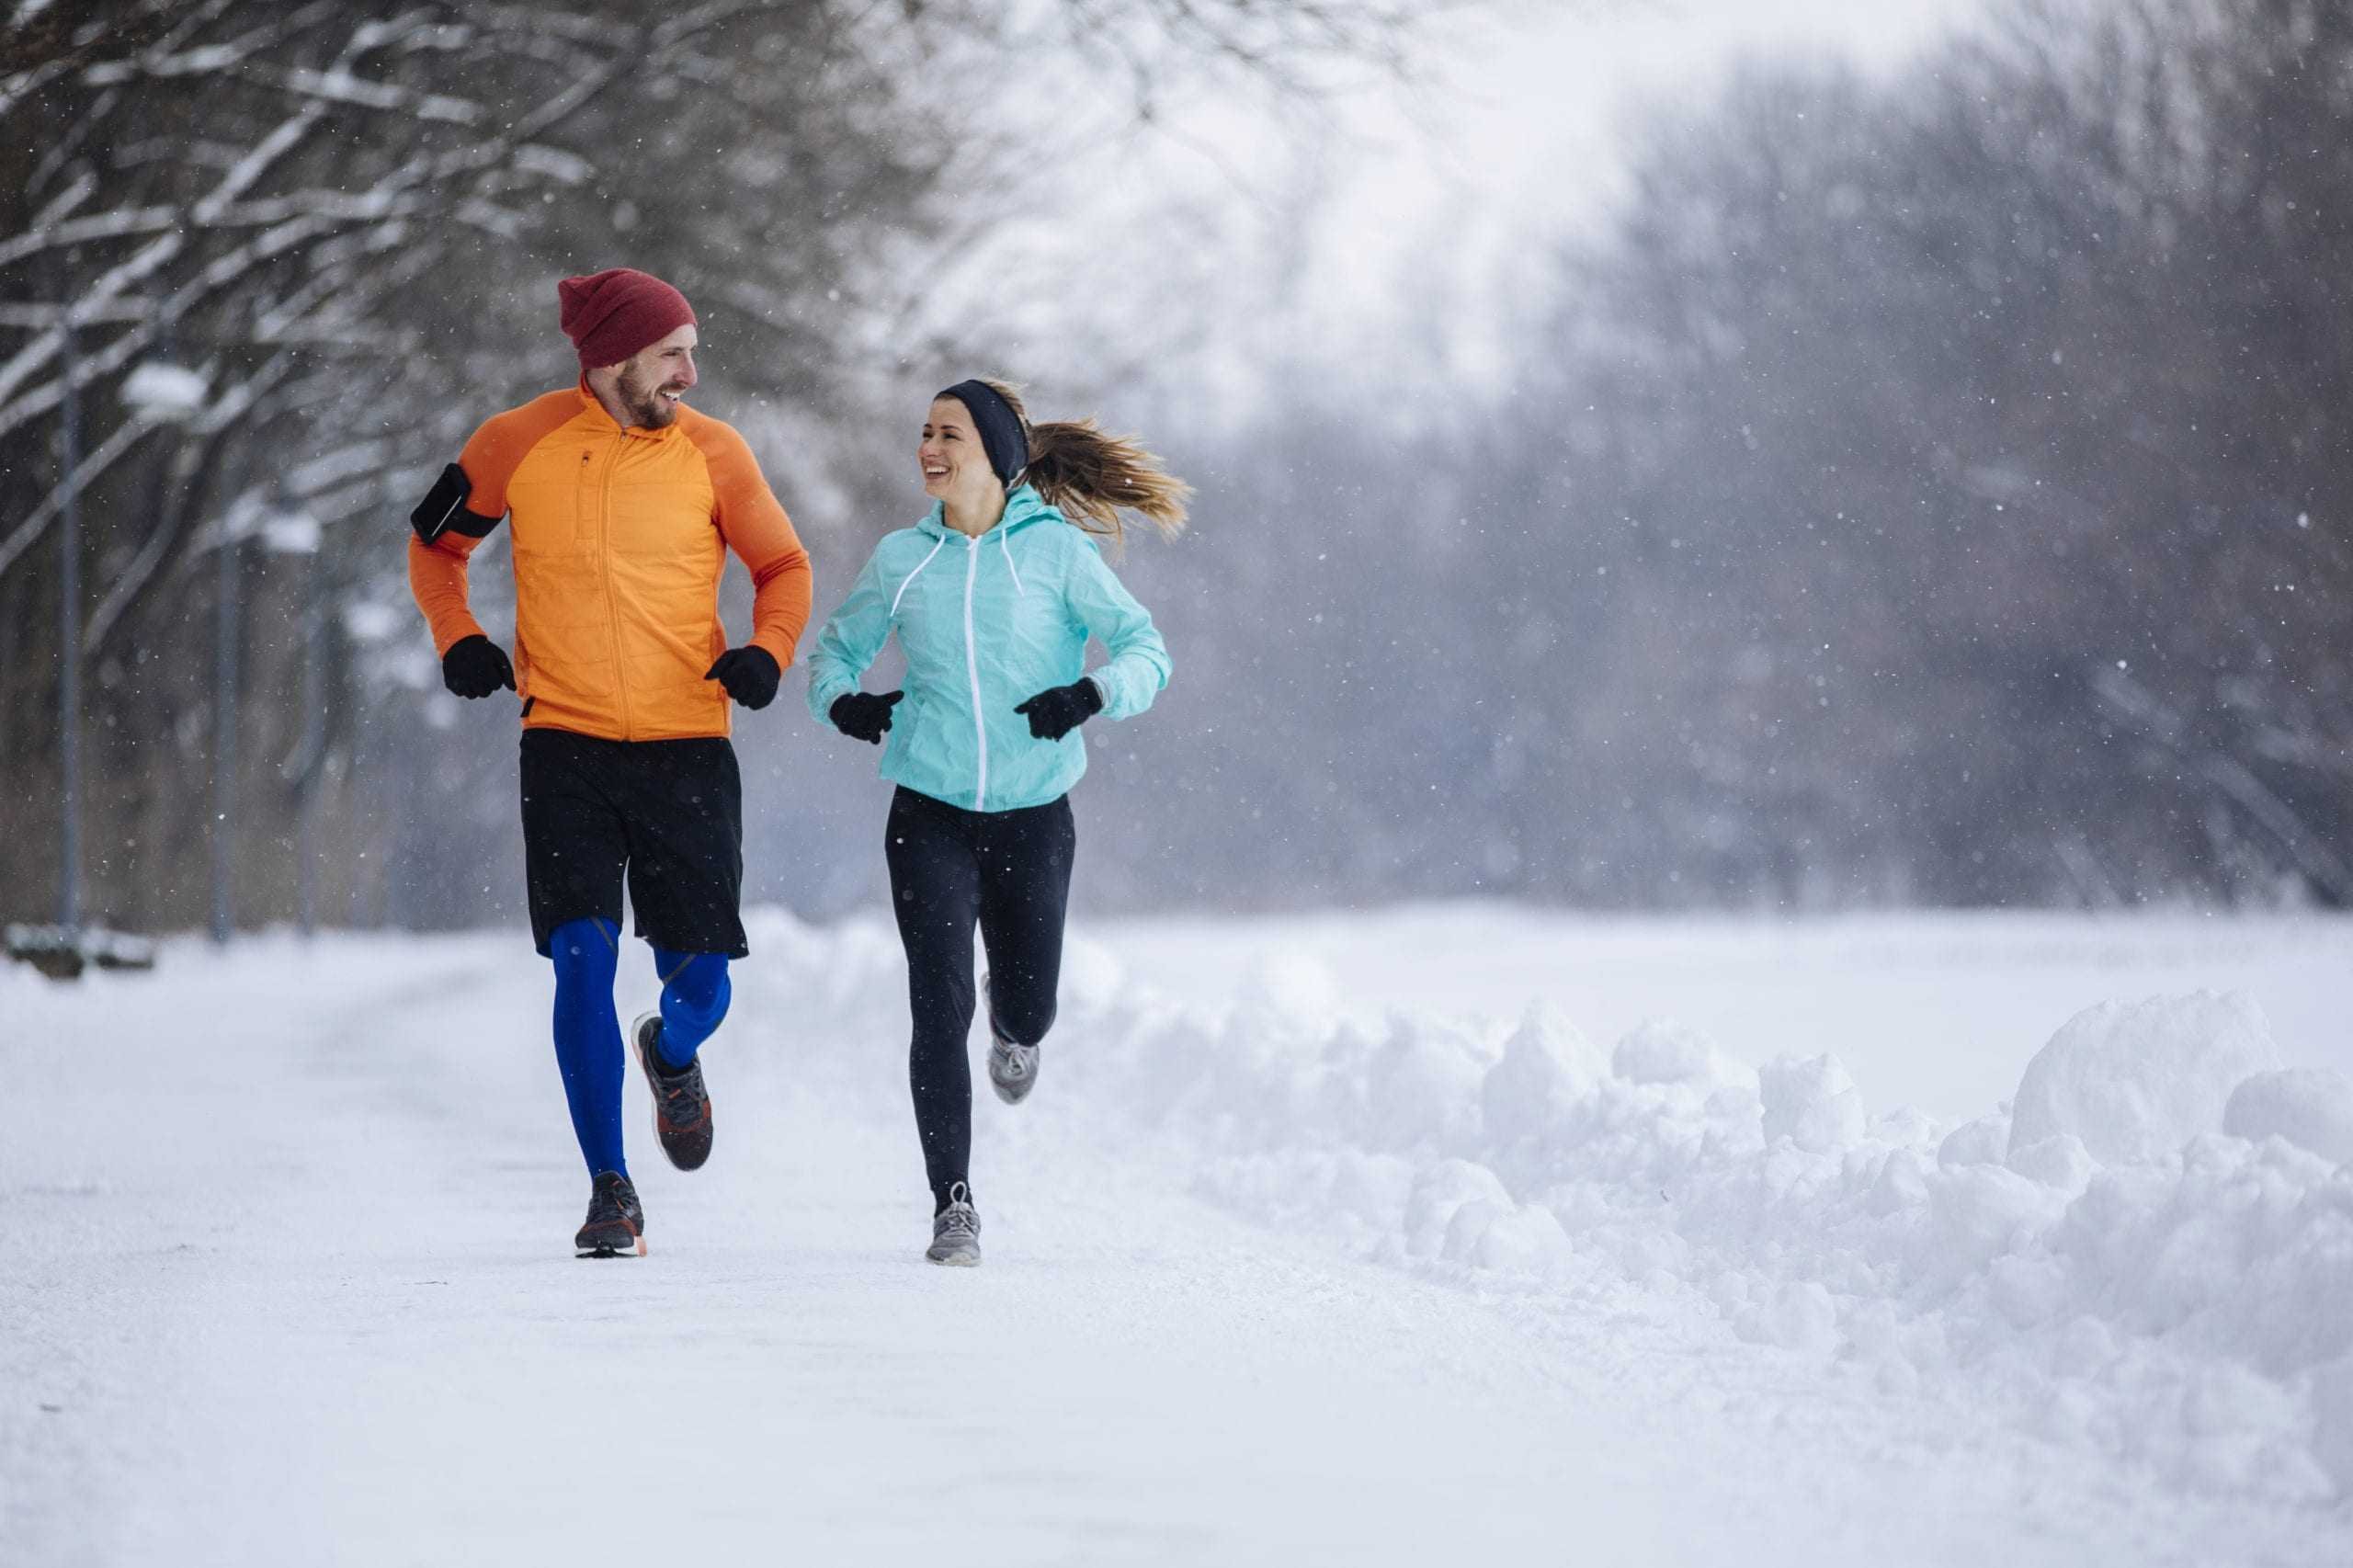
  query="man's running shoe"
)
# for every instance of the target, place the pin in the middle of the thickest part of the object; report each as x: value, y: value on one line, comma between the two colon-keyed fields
x: 616, y: 1225
x: 681, y: 1103
x: 1013, y: 1069
x: 956, y: 1230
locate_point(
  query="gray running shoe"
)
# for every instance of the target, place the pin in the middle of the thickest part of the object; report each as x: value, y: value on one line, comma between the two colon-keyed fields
x: 956, y: 1230
x: 1013, y: 1069
x: 616, y: 1225
x: 681, y: 1103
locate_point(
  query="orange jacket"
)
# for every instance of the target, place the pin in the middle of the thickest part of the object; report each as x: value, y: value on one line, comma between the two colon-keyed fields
x: 620, y: 537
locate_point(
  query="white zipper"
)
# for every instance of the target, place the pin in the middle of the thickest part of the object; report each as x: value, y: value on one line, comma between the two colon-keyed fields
x: 973, y: 668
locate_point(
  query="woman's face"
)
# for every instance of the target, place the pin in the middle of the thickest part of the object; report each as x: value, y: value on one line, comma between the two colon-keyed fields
x: 955, y: 465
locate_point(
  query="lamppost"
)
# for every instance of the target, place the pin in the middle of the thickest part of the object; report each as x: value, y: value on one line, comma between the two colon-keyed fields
x: 59, y: 951
x: 69, y: 640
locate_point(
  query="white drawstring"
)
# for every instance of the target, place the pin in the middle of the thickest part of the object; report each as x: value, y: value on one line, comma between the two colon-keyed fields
x: 913, y: 575
x: 1005, y: 539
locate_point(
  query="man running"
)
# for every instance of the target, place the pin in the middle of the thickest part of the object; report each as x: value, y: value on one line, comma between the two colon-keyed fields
x: 624, y: 501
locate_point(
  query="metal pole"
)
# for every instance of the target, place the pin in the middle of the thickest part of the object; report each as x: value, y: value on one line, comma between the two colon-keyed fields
x: 69, y: 644
x: 314, y: 753
x: 224, y: 726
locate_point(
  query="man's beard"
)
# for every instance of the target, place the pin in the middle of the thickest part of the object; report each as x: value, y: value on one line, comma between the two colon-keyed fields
x: 647, y: 408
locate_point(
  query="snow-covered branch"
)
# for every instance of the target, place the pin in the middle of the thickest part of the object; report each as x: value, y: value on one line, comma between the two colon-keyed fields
x: 87, y: 472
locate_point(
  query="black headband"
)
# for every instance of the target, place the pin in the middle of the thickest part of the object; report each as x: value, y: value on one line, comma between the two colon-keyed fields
x: 1002, y: 436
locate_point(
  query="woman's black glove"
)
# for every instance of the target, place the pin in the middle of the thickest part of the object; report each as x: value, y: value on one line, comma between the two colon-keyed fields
x: 748, y: 673
x: 476, y: 666
x: 1057, y: 710
x: 862, y: 716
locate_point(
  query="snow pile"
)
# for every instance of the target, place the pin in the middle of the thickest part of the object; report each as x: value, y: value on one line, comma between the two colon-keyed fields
x: 2152, y: 1253
x: 2310, y: 1108
x: 2135, y: 1081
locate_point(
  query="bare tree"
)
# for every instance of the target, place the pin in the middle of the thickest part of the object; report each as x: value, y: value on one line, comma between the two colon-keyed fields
x: 270, y: 259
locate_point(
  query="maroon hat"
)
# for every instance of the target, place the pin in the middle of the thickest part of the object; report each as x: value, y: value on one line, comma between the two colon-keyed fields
x: 611, y: 314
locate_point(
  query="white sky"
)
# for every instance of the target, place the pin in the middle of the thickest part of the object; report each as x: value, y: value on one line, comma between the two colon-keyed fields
x: 1532, y: 118
x: 1406, y: 220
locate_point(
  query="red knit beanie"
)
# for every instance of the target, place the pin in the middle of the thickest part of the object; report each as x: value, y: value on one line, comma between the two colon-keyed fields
x: 611, y: 314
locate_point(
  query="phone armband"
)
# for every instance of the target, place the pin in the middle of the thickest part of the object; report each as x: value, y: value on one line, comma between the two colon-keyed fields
x: 444, y: 508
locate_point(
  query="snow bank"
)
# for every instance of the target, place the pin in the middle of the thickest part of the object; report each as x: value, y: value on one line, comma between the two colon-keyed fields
x: 2133, y: 1081
x: 2149, y: 1252
x: 2309, y: 1108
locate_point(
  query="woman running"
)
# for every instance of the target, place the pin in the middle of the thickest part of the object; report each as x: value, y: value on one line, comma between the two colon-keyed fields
x: 994, y: 595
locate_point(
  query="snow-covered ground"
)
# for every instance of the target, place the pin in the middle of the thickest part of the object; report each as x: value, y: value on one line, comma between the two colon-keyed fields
x: 1318, y: 1243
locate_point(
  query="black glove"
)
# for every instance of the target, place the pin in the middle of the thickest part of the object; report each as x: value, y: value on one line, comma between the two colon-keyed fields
x: 476, y: 666
x: 749, y: 674
x: 862, y: 716
x: 1057, y: 710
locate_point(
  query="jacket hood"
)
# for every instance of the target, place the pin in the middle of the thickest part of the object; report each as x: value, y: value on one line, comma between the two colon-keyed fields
x: 1023, y: 506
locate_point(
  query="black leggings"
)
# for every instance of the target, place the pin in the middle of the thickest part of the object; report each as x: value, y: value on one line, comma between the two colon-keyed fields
x: 1011, y: 870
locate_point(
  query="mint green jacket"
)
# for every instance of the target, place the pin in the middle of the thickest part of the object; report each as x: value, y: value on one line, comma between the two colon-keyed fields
x: 986, y: 623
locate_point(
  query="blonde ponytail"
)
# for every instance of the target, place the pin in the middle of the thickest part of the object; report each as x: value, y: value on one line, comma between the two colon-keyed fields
x: 1091, y: 476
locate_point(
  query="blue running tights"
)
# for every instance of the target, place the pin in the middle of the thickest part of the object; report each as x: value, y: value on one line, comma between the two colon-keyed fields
x: 695, y: 993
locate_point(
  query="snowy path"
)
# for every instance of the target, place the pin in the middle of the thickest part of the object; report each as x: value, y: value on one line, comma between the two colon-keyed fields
x: 287, y: 1284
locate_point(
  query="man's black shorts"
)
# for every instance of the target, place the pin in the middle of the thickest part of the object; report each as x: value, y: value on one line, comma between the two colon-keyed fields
x: 669, y: 815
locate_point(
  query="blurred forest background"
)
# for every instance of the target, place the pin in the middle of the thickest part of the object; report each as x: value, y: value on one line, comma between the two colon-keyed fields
x: 1929, y: 488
